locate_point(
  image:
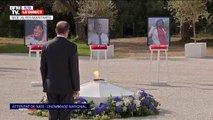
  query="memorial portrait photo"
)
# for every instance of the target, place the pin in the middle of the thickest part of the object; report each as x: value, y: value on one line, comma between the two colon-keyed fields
x: 158, y: 31
x: 35, y: 32
x: 98, y: 31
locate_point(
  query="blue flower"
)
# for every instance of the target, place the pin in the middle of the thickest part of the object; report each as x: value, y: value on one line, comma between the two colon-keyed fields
x: 131, y: 96
x: 103, y: 106
x: 117, y: 99
x: 149, y: 98
x: 142, y: 90
x: 81, y: 99
x: 131, y: 106
x: 144, y: 102
x: 149, y: 95
x: 97, y: 111
x: 151, y: 107
x: 42, y: 100
x: 118, y: 109
x: 143, y: 93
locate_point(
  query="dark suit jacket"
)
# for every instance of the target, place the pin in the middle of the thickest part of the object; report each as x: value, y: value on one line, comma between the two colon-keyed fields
x: 59, y: 66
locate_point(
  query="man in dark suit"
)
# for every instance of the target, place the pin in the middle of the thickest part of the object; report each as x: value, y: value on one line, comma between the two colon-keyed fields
x: 60, y: 72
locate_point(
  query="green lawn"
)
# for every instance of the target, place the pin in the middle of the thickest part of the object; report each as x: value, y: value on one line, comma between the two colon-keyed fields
x: 13, y: 48
x: 16, y: 45
x: 83, y: 49
x: 10, y: 39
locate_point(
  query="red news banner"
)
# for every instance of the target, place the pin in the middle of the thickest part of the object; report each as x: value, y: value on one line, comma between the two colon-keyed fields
x: 32, y: 12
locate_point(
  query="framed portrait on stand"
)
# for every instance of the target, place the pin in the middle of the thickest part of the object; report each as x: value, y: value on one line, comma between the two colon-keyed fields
x: 35, y: 32
x: 98, y: 31
x: 158, y: 31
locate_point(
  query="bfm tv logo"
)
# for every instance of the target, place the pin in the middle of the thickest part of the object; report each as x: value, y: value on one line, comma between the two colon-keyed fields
x: 28, y: 13
x: 24, y: 10
x: 16, y: 9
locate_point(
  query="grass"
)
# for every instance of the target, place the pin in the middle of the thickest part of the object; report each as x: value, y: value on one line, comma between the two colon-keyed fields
x: 83, y: 49
x: 13, y: 48
x: 12, y: 39
x: 16, y: 45
x: 124, y: 47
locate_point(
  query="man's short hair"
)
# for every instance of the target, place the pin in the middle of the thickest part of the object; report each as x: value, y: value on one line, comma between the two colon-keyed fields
x: 62, y: 27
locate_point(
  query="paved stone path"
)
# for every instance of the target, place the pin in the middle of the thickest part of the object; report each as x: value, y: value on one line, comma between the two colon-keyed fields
x: 188, y: 95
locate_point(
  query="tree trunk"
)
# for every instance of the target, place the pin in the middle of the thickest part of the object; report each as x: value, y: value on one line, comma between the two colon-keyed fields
x: 180, y: 28
x: 194, y: 33
x: 80, y: 30
x: 133, y: 28
x: 185, y: 32
x: 121, y: 30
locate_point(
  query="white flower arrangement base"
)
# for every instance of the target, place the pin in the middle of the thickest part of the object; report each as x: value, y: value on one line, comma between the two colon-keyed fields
x: 141, y: 104
x: 99, y: 91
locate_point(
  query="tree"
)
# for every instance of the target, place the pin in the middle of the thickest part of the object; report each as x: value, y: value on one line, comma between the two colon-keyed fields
x: 188, y: 12
x: 104, y: 8
x: 81, y: 9
x: 66, y: 7
x: 131, y: 16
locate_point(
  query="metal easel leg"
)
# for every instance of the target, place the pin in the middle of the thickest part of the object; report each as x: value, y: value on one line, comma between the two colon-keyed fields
x: 90, y: 64
x: 37, y: 68
x: 158, y: 66
x: 28, y: 63
x: 150, y: 66
x: 166, y: 55
x: 98, y: 58
x: 106, y: 60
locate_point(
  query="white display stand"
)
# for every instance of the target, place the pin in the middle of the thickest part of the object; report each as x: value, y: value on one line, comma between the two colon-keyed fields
x: 37, y: 49
x: 195, y: 50
x: 110, y: 53
x: 98, y: 49
x: 158, y: 49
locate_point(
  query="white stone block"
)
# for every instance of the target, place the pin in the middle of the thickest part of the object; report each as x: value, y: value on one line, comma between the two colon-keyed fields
x: 195, y: 50
x: 100, y: 91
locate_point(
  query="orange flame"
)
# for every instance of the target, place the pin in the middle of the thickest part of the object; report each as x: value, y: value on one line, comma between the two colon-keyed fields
x: 96, y: 74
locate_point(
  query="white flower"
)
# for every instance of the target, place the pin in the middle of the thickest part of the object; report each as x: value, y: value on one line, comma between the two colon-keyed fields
x: 84, y: 103
x: 119, y: 103
x: 126, y: 101
x: 137, y: 108
x: 124, y: 109
x: 130, y: 98
x: 113, y: 102
x: 89, y: 113
x: 137, y: 103
x: 137, y: 95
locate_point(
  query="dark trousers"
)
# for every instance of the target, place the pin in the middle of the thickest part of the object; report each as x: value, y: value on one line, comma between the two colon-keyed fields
x: 59, y: 99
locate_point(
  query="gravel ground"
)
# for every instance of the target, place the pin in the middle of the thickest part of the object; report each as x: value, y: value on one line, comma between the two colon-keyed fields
x: 188, y: 95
